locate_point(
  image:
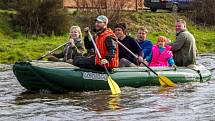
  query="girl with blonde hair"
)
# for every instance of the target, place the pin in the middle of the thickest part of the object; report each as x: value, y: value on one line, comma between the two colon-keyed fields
x: 75, y: 47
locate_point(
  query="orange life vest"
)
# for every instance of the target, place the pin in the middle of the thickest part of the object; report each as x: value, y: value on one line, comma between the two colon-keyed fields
x: 100, y: 43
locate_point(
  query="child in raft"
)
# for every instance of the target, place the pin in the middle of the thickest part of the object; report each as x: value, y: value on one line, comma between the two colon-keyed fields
x: 161, y: 54
x: 74, y: 48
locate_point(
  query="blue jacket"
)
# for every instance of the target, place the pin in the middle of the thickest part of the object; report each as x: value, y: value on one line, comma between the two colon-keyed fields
x: 146, y: 46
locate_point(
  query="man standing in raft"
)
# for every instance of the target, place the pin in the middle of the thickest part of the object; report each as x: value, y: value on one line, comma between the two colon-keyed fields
x: 106, y: 43
x: 184, y: 48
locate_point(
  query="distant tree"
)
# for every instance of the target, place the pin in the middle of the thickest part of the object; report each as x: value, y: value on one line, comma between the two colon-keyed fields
x: 111, y: 8
x: 40, y: 17
x: 203, y: 12
x: 5, y: 4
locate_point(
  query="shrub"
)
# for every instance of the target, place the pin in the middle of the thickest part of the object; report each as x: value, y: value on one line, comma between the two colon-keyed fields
x: 203, y: 12
x: 93, y: 8
x: 40, y: 17
x: 4, y: 4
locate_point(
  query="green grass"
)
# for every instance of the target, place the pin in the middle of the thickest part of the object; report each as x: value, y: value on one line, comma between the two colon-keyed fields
x: 21, y: 49
x: 164, y: 24
x: 8, y: 11
x: 17, y: 47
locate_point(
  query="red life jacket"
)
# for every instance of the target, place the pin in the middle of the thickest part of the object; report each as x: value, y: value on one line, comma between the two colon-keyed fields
x: 160, y: 58
x: 100, y: 43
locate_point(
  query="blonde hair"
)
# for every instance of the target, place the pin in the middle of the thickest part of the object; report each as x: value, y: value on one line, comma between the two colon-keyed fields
x: 143, y: 28
x: 162, y: 39
x: 77, y: 28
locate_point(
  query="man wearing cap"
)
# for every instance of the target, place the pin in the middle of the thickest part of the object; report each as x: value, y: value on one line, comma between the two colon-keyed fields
x: 106, y: 43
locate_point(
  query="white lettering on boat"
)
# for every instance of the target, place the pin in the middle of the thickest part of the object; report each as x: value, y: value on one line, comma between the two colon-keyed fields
x: 94, y: 76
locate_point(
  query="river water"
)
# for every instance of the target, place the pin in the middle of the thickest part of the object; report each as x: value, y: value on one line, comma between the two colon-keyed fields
x: 187, y: 102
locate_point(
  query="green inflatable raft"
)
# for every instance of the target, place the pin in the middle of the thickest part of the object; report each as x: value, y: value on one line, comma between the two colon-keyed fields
x: 60, y: 76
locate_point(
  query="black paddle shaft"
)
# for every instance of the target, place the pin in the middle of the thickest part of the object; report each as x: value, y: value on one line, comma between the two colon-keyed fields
x: 150, y: 68
x: 97, y: 51
x: 135, y: 56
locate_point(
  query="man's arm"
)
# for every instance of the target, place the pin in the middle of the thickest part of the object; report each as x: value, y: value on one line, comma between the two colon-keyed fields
x: 148, y: 48
x: 88, y: 43
x: 178, y: 44
x: 149, y: 58
x: 136, y: 49
x: 111, y: 45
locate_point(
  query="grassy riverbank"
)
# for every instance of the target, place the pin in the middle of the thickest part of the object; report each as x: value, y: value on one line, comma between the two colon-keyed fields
x: 17, y: 47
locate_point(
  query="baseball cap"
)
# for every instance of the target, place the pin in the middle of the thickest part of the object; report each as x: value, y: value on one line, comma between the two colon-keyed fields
x: 102, y: 18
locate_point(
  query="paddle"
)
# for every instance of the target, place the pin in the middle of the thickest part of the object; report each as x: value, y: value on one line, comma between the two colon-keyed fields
x: 52, y: 51
x: 113, y: 85
x: 162, y: 79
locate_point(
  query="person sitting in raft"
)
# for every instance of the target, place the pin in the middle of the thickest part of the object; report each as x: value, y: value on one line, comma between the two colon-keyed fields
x: 127, y: 59
x: 146, y: 45
x: 184, y: 48
x: 74, y: 48
x: 161, y: 54
x: 106, y: 43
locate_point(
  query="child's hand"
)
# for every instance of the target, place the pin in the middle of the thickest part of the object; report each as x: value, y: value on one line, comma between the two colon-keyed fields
x: 49, y: 53
x: 168, y: 40
x: 86, y: 29
x: 71, y: 41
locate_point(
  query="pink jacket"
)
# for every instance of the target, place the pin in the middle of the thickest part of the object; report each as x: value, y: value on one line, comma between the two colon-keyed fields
x: 160, y: 59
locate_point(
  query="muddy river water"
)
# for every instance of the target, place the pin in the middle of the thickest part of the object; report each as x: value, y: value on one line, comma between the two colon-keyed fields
x: 187, y: 102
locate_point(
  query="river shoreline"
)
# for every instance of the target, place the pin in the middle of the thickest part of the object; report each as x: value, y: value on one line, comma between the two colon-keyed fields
x: 16, y: 46
x: 5, y: 67
x: 8, y: 66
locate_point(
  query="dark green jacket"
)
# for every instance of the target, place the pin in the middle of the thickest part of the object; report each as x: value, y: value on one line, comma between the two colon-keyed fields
x: 184, y: 49
x: 71, y: 52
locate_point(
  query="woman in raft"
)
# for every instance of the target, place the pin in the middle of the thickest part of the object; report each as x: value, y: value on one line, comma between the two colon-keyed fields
x: 75, y: 47
x: 161, y: 54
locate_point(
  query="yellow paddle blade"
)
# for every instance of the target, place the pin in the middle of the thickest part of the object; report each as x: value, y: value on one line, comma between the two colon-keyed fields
x: 165, y: 81
x: 113, y: 86
x: 161, y: 83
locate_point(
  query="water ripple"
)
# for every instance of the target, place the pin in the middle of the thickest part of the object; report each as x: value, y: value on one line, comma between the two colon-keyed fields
x: 188, y: 102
